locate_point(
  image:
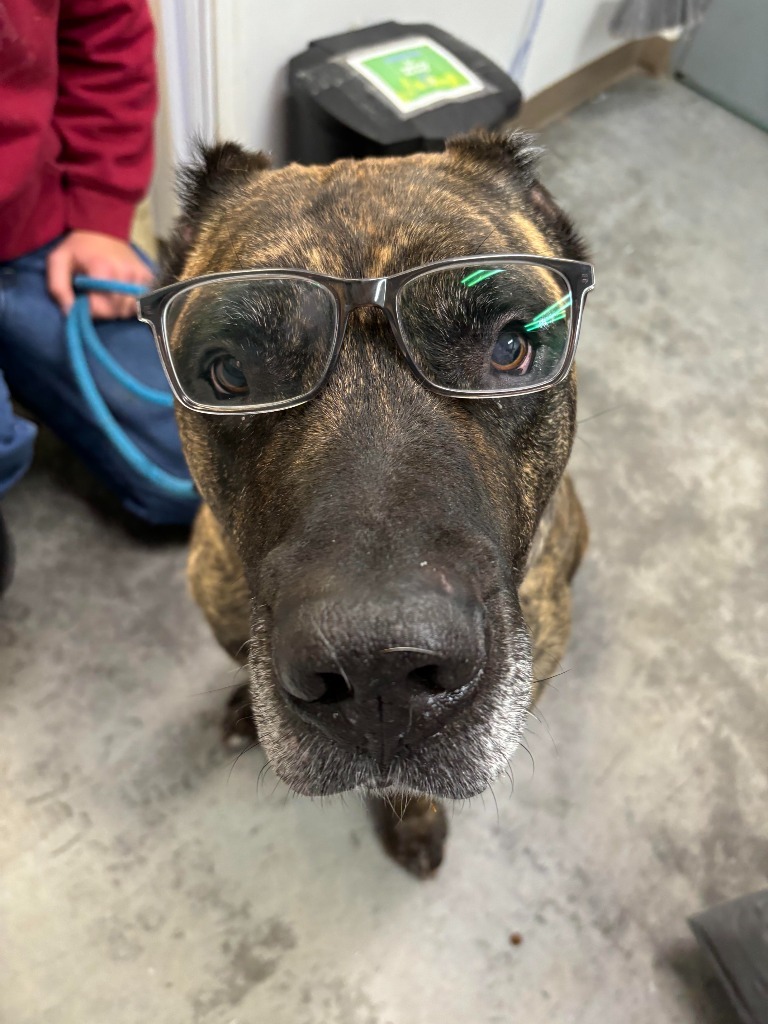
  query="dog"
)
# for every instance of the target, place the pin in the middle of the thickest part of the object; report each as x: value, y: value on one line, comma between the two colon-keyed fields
x: 407, y: 552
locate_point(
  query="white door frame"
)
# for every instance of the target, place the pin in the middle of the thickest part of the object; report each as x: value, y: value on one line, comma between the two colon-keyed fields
x: 186, y: 60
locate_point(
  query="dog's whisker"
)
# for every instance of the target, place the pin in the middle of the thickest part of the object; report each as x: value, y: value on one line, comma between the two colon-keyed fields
x: 597, y: 415
x: 332, y: 652
x: 578, y: 437
x: 235, y: 251
x: 533, y: 763
x: 543, y: 721
x: 410, y: 716
x: 548, y: 650
x: 409, y: 650
x: 262, y: 772
x: 480, y: 247
x: 215, y: 689
x: 245, y: 750
x: 495, y: 802
x: 238, y: 669
x: 547, y: 680
x: 274, y: 788
x: 245, y: 643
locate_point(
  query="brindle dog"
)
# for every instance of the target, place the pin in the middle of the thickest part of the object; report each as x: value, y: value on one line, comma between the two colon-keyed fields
x: 379, y: 515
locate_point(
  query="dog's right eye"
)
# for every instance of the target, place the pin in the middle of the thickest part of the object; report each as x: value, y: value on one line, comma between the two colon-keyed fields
x: 512, y: 352
x: 227, y: 377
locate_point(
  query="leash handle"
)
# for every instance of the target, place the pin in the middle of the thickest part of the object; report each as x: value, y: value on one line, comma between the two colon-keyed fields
x: 102, y: 284
x: 105, y: 357
x: 81, y: 334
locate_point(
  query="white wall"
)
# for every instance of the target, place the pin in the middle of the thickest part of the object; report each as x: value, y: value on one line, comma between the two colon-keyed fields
x: 255, y: 40
x: 186, y: 66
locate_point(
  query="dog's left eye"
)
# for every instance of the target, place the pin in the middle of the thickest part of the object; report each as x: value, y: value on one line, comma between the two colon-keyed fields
x: 512, y: 352
x: 227, y: 377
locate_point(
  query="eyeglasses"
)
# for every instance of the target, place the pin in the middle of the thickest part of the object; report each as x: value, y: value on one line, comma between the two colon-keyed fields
x: 256, y: 341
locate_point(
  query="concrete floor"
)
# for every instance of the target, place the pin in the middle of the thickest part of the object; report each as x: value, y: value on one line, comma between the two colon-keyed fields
x: 143, y: 878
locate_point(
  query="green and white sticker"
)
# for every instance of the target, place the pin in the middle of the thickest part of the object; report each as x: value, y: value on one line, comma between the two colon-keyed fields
x: 415, y: 72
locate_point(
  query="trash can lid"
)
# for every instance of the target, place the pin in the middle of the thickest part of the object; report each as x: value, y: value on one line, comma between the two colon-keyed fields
x: 393, y: 83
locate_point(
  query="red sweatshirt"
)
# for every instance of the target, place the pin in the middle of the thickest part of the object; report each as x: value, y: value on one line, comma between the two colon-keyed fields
x: 77, y: 103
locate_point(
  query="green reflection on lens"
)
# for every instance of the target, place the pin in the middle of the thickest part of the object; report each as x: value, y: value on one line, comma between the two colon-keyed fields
x: 550, y: 315
x: 479, y: 275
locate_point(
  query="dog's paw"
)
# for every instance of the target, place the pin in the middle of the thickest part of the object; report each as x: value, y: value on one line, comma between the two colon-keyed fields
x: 413, y: 831
x: 238, y: 727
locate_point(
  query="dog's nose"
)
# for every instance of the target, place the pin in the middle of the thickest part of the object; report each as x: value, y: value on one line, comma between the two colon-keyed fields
x: 379, y: 670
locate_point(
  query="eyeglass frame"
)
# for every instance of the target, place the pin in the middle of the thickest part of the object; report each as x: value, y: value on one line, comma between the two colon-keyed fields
x: 353, y: 293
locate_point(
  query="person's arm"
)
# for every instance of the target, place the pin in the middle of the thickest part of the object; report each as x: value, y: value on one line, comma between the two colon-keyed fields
x: 105, y: 110
x: 104, y: 116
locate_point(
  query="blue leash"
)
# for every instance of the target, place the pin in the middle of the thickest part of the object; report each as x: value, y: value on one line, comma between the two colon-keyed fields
x: 81, y: 335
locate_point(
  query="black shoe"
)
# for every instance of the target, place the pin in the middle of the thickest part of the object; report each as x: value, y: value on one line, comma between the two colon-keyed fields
x: 6, y: 557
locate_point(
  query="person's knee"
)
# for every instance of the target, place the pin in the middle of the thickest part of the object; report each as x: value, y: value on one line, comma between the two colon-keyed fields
x: 154, y: 505
x: 17, y: 442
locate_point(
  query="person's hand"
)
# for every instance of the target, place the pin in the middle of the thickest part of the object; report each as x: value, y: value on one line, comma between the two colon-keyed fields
x: 97, y: 255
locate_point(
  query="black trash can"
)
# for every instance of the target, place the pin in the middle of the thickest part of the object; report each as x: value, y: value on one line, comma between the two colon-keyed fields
x: 389, y: 90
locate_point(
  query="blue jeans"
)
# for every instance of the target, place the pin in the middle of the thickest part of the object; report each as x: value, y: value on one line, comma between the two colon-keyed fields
x: 35, y: 364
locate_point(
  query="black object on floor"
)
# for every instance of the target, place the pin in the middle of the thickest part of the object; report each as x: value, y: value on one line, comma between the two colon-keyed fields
x: 6, y: 557
x: 389, y: 90
x: 735, y: 936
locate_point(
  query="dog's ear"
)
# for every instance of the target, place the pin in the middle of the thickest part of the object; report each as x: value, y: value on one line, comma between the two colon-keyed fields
x: 215, y: 173
x: 515, y: 156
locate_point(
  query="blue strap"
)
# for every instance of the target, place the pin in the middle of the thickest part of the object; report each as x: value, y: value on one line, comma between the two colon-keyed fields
x: 110, y: 364
x: 81, y: 334
x: 102, y: 284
